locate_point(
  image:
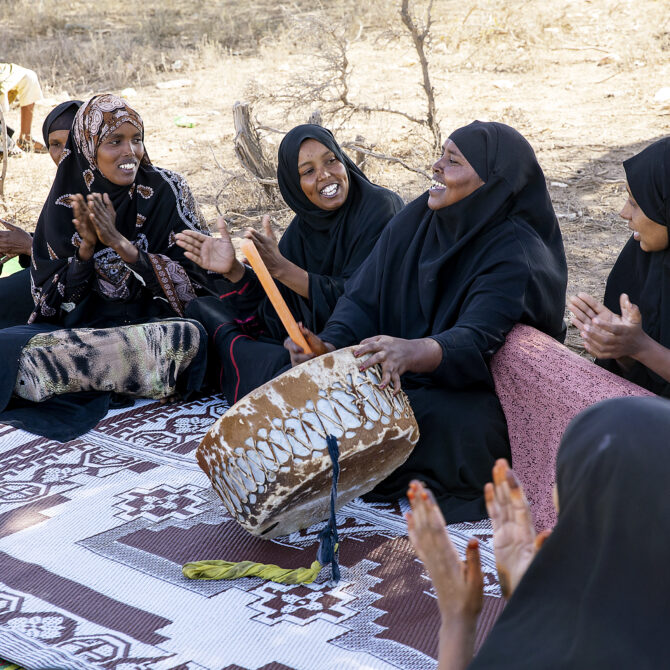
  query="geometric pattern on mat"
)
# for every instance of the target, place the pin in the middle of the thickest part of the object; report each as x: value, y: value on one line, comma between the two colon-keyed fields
x: 93, y: 534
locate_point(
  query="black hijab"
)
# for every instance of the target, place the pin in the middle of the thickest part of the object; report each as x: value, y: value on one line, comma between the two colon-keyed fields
x: 60, y: 118
x: 466, y: 273
x: 596, y: 595
x: 329, y: 245
x: 148, y: 213
x: 645, y: 276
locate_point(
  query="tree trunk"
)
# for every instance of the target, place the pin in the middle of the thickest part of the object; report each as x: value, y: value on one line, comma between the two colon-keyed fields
x: 249, y: 150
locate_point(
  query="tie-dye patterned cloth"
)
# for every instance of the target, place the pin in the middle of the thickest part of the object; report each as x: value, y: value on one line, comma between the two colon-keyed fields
x: 143, y: 360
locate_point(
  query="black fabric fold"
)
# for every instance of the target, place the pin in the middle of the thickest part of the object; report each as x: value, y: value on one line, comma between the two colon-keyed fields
x: 596, y: 594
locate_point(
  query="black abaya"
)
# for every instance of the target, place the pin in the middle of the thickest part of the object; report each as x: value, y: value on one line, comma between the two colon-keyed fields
x: 463, y: 275
x: 596, y: 595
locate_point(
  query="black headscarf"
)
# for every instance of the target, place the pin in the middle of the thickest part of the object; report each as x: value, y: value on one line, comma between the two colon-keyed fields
x: 596, y: 595
x: 643, y: 275
x: 465, y: 274
x: 329, y: 245
x: 60, y: 118
x: 148, y: 213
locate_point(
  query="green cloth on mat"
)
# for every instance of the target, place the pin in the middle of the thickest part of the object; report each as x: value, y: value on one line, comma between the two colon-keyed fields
x: 10, y: 267
x: 6, y: 665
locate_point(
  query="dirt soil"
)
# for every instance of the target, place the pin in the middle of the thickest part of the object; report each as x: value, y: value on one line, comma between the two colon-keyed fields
x: 577, y: 78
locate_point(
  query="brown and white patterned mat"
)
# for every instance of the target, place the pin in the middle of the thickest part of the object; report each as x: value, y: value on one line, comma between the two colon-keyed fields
x: 93, y: 534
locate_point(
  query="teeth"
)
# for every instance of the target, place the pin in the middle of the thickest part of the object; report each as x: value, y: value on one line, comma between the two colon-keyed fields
x: 127, y: 166
x: 329, y: 190
x: 437, y: 186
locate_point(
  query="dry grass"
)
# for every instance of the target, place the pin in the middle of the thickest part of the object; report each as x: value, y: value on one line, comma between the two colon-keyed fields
x: 576, y: 77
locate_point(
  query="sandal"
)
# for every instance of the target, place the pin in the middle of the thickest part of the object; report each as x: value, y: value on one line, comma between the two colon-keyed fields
x: 29, y: 144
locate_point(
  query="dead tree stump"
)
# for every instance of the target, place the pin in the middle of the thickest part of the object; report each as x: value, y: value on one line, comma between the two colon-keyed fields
x: 315, y: 118
x: 249, y: 150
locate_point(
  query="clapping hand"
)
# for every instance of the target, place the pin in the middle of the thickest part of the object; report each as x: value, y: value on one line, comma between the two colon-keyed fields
x: 14, y: 241
x: 210, y: 253
x: 267, y: 247
x: 605, y: 334
x: 84, y: 226
x: 514, y: 539
x: 459, y: 586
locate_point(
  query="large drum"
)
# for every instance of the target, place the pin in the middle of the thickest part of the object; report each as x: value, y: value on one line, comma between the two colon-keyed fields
x: 267, y: 456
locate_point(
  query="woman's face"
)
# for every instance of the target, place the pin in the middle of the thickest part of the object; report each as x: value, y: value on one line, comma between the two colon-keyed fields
x: 453, y: 178
x: 120, y: 153
x: 323, y: 178
x: 57, y: 140
x: 652, y: 236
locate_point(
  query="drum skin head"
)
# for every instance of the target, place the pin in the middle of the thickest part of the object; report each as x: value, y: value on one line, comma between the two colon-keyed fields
x: 267, y: 456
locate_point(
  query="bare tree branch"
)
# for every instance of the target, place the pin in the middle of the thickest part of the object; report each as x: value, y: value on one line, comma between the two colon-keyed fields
x: 419, y: 39
x: 391, y: 159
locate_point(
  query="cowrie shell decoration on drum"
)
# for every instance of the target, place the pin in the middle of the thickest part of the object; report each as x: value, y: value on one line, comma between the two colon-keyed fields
x: 267, y: 456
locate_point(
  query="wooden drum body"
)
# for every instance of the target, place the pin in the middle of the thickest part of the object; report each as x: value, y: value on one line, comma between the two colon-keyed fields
x: 267, y: 456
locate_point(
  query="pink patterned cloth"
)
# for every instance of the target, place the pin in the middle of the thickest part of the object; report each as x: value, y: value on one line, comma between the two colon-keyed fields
x: 542, y: 385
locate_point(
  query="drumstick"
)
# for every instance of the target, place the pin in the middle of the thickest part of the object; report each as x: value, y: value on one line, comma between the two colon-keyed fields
x: 268, y: 283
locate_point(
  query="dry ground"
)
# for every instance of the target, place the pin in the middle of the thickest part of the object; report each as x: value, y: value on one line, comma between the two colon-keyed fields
x: 577, y: 78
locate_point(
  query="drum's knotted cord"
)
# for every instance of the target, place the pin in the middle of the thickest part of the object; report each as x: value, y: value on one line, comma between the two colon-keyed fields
x: 326, y: 553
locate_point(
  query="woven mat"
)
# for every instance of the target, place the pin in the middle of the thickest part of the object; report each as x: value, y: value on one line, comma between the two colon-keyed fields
x: 93, y: 534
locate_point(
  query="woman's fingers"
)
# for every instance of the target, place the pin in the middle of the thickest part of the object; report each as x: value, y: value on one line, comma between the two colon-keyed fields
x: 8, y: 225
x: 267, y: 227
x: 374, y: 359
x: 292, y: 347
x: 190, y: 243
x: 591, y: 306
x: 521, y: 508
x: 474, y: 578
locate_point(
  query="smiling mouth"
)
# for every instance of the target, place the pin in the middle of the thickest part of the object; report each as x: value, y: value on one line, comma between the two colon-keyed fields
x: 127, y: 166
x: 329, y: 191
x: 437, y: 185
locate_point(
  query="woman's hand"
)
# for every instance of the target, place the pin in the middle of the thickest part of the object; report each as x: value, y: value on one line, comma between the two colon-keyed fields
x: 279, y: 267
x: 514, y: 540
x: 459, y: 586
x: 617, y: 337
x: 84, y: 226
x: 267, y: 247
x: 585, y: 308
x: 397, y: 356
x: 316, y: 344
x: 103, y: 218
x: 14, y: 241
x: 211, y: 253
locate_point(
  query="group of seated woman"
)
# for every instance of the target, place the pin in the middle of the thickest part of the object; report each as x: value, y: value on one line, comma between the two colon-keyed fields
x: 121, y: 255
x: 131, y: 295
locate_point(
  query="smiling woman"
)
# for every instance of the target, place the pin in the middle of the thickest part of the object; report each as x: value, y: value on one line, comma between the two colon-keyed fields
x: 339, y: 215
x: 104, y: 259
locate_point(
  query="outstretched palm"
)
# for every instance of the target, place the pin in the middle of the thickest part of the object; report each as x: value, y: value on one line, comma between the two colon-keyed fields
x: 210, y: 253
x: 514, y: 538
